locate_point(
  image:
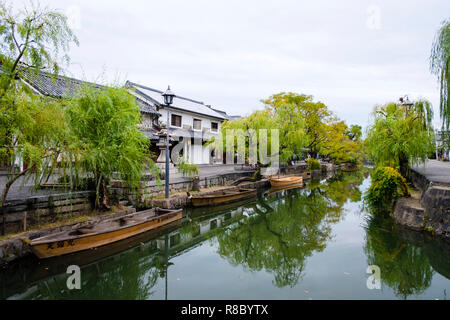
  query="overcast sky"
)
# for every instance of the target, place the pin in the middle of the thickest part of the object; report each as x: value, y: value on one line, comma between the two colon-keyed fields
x: 231, y: 54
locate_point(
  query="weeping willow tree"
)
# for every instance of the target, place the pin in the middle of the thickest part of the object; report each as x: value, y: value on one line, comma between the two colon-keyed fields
x: 440, y: 67
x: 32, y: 39
x: 273, y: 133
x: 105, y: 124
x: 401, y: 135
x: 32, y: 129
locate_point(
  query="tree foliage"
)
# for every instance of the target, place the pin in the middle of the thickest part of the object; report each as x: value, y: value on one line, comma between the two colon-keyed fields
x: 387, y: 186
x: 187, y: 169
x: 104, y: 122
x: 324, y: 133
x: 315, y: 115
x: 339, y: 147
x: 440, y: 67
x: 31, y: 128
x: 354, y: 133
x: 400, y: 136
x: 260, y: 140
x: 33, y: 38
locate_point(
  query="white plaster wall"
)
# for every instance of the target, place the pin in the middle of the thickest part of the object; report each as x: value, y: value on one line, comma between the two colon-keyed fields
x: 196, y: 154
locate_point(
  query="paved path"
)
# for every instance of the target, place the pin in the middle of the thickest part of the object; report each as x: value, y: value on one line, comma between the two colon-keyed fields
x: 436, y: 171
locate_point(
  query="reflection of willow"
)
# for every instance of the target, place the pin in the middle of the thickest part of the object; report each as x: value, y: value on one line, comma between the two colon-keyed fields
x: 130, y: 275
x: 404, y: 267
x: 344, y: 186
x: 282, y: 231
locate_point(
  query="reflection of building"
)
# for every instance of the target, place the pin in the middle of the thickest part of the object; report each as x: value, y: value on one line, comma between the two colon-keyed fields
x: 192, y: 123
x: 442, y: 144
x: 179, y: 241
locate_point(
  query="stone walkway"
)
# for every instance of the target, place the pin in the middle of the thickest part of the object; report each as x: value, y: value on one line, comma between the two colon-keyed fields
x: 436, y: 171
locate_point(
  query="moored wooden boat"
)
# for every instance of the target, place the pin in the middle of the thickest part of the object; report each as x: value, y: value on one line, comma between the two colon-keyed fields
x: 221, y: 196
x: 285, y: 181
x: 102, y: 233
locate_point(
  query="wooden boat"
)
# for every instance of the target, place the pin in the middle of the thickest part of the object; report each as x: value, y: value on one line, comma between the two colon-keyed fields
x: 102, y: 233
x: 221, y: 196
x: 285, y: 181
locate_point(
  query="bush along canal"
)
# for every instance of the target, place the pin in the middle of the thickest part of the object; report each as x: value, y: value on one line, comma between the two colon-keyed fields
x: 316, y: 242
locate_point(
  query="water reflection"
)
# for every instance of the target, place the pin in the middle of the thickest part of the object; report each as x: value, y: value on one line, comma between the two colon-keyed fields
x: 284, y: 229
x: 407, y: 259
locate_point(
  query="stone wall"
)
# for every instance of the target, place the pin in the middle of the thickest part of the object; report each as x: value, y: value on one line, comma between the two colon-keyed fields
x: 431, y: 212
x: 33, y: 211
x: 150, y: 191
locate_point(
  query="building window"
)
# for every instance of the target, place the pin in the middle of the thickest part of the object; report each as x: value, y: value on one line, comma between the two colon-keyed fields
x: 214, y: 126
x: 197, y: 124
x: 176, y: 121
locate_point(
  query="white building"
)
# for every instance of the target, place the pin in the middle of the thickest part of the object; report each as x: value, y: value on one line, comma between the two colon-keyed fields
x: 192, y: 124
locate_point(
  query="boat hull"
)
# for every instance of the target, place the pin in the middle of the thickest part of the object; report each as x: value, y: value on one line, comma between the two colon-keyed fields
x: 211, y: 200
x: 285, y: 182
x: 54, y: 248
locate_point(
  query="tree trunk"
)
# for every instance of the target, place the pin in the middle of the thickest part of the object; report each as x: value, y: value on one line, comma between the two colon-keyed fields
x: 102, y: 199
x: 404, y: 167
x: 5, y: 194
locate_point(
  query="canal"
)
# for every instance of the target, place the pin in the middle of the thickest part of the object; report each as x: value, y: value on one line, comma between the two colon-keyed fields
x: 315, y: 242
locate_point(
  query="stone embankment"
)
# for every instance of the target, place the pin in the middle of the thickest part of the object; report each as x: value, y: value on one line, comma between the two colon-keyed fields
x: 429, y: 211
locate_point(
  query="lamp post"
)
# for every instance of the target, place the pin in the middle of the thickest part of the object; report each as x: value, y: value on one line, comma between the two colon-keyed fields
x: 405, y: 102
x: 168, y: 100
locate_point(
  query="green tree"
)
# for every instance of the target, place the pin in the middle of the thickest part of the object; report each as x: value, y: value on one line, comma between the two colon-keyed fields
x: 440, y: 67
x: 401, y: 135
x: 104, y: 122
x: 30, y: 128
x: 285, y: 118
x: 316, y: 117
x: 33, y: 39
x: 339, y: 147
x: 38, y: 136
x: 354, y: 133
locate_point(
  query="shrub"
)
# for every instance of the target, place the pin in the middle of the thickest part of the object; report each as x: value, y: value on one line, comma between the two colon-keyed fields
x: 387, y: 186
x: 187, y: 169
x: 314, y: 164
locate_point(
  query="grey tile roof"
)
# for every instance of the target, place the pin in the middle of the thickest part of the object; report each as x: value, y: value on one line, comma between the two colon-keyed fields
x: 155, y: 97
x: 57, y: 87
x: 61, y: 86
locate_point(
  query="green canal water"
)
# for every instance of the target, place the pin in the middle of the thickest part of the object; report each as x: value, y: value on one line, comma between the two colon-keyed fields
x: 310, y: 243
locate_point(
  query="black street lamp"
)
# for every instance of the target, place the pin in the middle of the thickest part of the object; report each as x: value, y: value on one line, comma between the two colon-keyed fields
x: 405, y: 102
x: 168, y: 100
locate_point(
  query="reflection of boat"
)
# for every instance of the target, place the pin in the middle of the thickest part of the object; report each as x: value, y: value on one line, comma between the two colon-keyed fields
x: 102, y: 233
x: 221, y: 196
x: 279, y: 189
x: 285, y: 181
